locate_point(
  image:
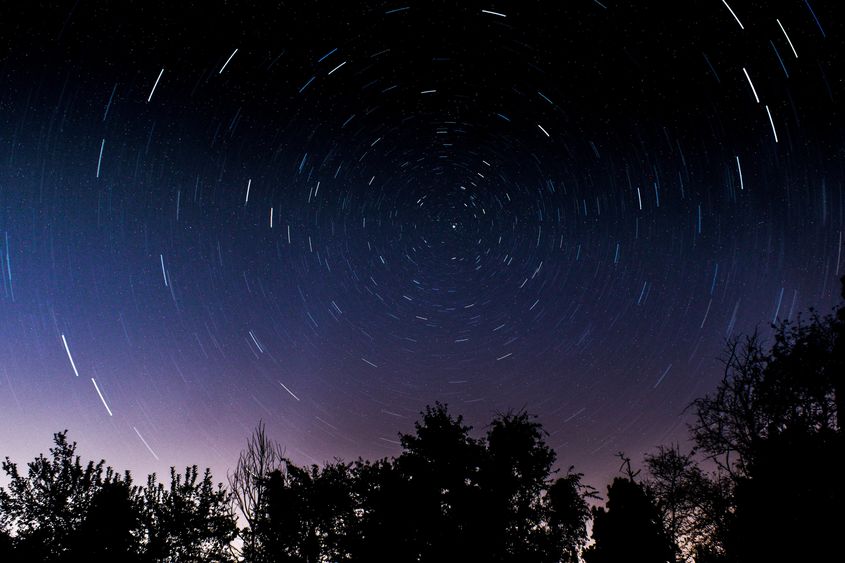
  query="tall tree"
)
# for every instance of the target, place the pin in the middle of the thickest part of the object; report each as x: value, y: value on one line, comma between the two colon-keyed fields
x: 111, y: 529
x: 629, y: 528
x: 773, y: 425
x: 440, y: 462
x: 523, y: 520
x: 309, y: 513
x: 568, y: 514
x: 386, y: 518
x: 695, y: 506
x: 449, y: 496
x: 248, y: 483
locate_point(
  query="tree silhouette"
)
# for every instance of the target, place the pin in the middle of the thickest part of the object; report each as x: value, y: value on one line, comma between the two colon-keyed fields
x: 191, y: 520
x: 773, y: 426
x: 440, y: 462
x: 772, y: 429
x: 629, y: 528
x: 309, y: 513
x: 62, y: 510
x: 528, y: 517
x: 47, y: 507
x: 446, y: 497
x: 111, y: 530
x: 248, y: 483
x: 386, y: 517
x: 567, y: 517
x: 838, y: 358
x: 693, y: 505
x: 790, y: 389
x: 761, y: 483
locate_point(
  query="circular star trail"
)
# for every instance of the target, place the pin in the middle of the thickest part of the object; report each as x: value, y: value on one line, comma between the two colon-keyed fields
x: 328, y: 216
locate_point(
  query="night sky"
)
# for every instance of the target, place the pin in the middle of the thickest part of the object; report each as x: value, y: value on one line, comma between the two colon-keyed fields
x: 327, y: 215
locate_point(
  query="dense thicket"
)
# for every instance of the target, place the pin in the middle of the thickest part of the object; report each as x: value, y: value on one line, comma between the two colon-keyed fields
x: 63, y: 510
x: 447, y: 497
x: 759, y: 481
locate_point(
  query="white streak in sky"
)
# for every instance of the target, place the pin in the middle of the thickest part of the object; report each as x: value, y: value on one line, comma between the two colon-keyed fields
x: 662, y: 376
x: 579, y: 411
x: 493, y: 13
x: 754, y: 90
x: 288, y: 390
x: 145, y: 442
x: 791, y: 46
x: 154, y: 85
x: 101, y: 396
x: 543, y: 130
x: 739, y: 169
x: 248, y: 184
x: 100, y: 160
x: 337, y: 67
x: 69, y: 357
x: 771, y: 121
x: 163, y: 271
x: 733, y: 14
x: 9, y: 266
x: 227, y: 61
x: 260, y: 349
x: 777, y: 310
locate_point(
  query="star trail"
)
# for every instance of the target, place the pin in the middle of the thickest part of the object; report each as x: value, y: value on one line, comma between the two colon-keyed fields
x: 329, y: 215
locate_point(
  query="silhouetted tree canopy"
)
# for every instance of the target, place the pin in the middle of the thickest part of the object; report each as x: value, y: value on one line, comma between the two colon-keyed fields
x: 693, y: 505
x: 773, y: 427
x: 761, y: 481
x: 63, y: 510
x: 446, y: 497
x: 629, y: 528
x: 190, y: 520
x: 55, y: 506
x: 772, y: 439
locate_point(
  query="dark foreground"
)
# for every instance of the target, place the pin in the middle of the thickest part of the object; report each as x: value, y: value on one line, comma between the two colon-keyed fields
x: 760, y: 481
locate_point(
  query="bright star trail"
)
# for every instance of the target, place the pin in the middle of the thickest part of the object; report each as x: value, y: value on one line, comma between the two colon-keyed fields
x: 328, y: 215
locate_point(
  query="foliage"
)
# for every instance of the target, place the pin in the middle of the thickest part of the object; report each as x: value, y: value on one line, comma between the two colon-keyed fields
x: 629, y: 528
x: 772, y: 429
x: 761, y: 482
x: 693, y: 505
x: 62, y: 510
x: 56, y: 506
x: 191, y: 520
x: 447, y: 497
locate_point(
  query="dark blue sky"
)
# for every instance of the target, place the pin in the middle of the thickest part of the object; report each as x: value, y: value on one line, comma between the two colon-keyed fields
x: 329, y: 216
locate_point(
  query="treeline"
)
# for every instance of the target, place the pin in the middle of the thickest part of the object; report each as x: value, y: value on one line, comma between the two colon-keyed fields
x: 761, y: 480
